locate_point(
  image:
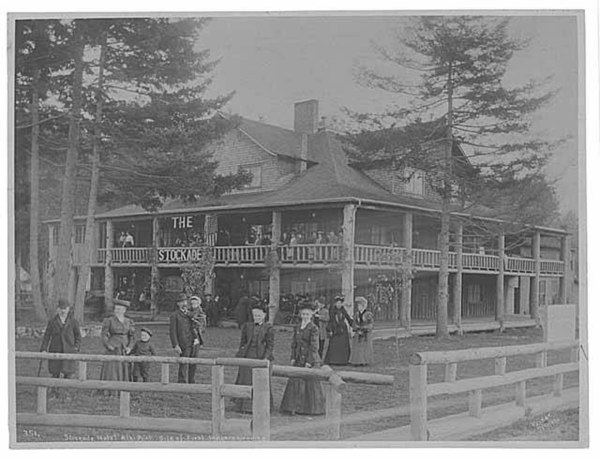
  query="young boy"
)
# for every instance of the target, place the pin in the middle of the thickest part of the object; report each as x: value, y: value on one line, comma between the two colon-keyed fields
x: 142, y: 347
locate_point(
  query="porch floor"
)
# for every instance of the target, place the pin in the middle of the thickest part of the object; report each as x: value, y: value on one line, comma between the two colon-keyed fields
x: 385, y: 330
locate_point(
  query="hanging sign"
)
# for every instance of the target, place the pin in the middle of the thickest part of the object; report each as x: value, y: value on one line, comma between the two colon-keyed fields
x: 179, y: 255
x: 183, y: 222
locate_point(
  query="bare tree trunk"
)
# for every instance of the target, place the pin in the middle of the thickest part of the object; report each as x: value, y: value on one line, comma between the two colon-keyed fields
x: 34, y: 203
x: 63, y: 256
x: 442, y: 309
x: 84, y: 272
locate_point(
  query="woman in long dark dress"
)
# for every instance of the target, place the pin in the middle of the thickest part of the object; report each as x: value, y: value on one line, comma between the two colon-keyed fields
x: 338, y: 352
x: 304, y: 395
x: 63, y: 336
x: 118, y: 337
x: 257, y: 342
x: 362, y: 341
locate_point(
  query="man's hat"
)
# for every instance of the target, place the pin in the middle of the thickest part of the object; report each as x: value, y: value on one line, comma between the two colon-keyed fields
x: 147, y: 330
x: 63, y: 304
x: 338, y: 298
x: 181, y: 297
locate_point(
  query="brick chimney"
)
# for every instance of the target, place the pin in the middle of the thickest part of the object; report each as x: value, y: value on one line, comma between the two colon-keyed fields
x: 306, y: 116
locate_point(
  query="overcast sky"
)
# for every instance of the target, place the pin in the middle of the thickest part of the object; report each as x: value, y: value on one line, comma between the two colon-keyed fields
x: 272, y: 62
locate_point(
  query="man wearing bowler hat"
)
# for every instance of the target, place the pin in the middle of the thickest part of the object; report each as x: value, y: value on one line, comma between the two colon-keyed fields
x: 182, y: 338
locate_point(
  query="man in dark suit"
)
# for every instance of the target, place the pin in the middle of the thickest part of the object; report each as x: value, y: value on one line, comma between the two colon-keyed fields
x: 182, y: 338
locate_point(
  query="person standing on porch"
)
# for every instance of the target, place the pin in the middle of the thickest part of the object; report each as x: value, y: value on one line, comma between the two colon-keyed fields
x: 304, y: 395
x: 182, y: 336
x: 321, y: 320
x: 257, y: 342
x: 338, y: 352
x: 118, y: 334
x: 362, y: 341
x: 62, y: 336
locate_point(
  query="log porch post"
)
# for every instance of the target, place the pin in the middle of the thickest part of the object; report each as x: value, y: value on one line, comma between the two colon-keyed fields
x: 534, y: 291
x: 563, y: 281
x: 274, y: 274
x: 154, y: 272
x: 108, y: 271
x: 348, y: 227
x: 210, y: 236
x: 500, y: 282
x: 458, y: 248
x: 406, y: 295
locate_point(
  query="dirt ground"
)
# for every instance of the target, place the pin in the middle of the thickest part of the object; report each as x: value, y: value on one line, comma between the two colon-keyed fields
x: 389, y: 359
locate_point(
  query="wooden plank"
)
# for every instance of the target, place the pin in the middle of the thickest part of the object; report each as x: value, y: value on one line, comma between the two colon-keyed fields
x: 333, y: 412
x: 233, y: 390
x: 558, y: 385
x: 475, y: 398
x: 450, y: 372
x: 417, y: 394
x: 218, y: 402
x: 164, y: 373
x: 131, y: 358
x: 442, y: 357
x: 500, y: 366
x: 486, y: 382
x: 124, y: 404
x: 42, y: 400
x: 261, y: 404
x: 521, y: 393
x: 238, y: 362
x: 94, y: 384
x: 82, y: 371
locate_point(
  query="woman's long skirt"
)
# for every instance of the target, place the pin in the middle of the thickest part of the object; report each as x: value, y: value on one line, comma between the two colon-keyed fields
x: 303, y: 396
x: 244, y: 378
x: 362, y: 350
x: 338, y: 352
x: 115, y: 371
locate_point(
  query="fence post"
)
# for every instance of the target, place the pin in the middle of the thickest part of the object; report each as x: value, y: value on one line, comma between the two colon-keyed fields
x: 417, y: 392
x: 475, y: 403
x: 124, y: 405
x: 218, y: 401
x: 500, y: 366
x: 164, y: 373
x: 450, y: 372
x: 541, y: 359
x: 333, y: 411
x: 42, y: 397
x: 261, y: 404
x: 558, y: 385
x: 82, y: 370
x: 521, y: 392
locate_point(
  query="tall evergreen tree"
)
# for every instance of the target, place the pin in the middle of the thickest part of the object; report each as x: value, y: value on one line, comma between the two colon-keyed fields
x: 459, y: 63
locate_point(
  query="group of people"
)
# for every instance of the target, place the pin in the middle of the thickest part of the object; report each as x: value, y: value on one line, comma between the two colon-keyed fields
x: 126, y: 239
x: 318, y: 327
x: 296, y: 237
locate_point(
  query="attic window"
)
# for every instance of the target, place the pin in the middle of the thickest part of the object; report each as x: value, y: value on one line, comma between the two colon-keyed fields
x: 256, y: 171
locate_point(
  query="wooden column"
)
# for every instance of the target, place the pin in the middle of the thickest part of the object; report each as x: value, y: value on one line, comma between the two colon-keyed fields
x: 417, y: 393
x: 348, y: 227
x: 154, y: 272
x: 500, y: 283
x: 534, y: 291
x: 563, y: 281
x: 108, y: 272
x: 274, y: 274
x: 211, y: 229
x: 218, y: 401
x: 406, y: 295
x: 458, y: 278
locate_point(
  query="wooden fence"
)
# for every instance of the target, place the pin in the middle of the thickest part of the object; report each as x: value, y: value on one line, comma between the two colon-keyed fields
x: 420, y: 390
x: 218, y: 427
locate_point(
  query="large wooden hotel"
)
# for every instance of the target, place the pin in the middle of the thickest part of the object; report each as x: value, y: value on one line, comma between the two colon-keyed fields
x: 312, y: 223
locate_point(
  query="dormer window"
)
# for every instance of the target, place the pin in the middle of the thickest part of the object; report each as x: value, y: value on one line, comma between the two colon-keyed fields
x: 256, y: 171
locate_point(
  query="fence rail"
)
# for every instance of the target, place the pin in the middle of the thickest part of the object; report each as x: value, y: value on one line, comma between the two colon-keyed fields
x: 420, y: 390
x: 217, y: 427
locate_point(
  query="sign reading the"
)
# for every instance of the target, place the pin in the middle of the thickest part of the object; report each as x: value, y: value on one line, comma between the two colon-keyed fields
x: 183, y: 222
x: 180, y: 255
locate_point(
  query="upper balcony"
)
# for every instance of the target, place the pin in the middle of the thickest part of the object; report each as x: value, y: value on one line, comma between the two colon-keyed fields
x: 329, y: 255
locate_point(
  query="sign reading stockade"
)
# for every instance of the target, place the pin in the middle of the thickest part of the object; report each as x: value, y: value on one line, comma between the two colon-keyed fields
x: 180, y: 254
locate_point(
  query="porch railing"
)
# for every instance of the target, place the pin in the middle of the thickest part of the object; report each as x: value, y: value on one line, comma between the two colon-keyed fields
x: 324, y: 254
